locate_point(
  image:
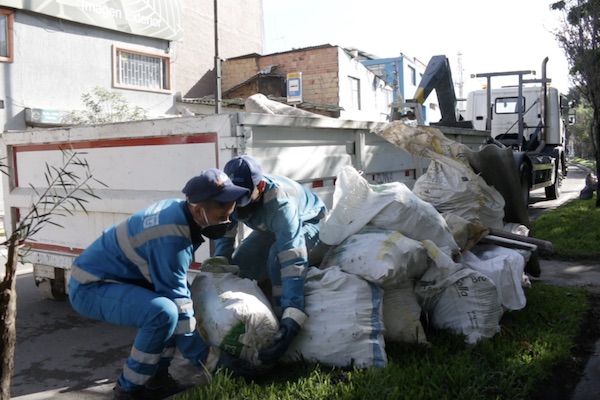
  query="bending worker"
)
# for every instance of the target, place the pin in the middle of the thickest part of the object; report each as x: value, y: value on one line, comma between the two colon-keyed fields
x: 135, y: 274
x: 285, y: 220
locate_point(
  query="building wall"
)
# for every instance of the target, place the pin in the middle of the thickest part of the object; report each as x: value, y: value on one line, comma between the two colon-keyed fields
x: 56, y: 61
x: 240, y: 30
x: 375, y: 95
x: 319, y: 67
x: 325, y: 79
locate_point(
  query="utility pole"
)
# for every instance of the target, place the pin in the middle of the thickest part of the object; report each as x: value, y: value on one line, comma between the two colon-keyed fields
x: 460, y: 84
x: 217, y: 64
x: 461, y: 81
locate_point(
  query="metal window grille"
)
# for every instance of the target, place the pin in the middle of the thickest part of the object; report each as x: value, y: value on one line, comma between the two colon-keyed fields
x: 142, y: 70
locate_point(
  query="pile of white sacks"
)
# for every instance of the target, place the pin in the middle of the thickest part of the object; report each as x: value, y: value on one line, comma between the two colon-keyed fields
x: 394, y: 254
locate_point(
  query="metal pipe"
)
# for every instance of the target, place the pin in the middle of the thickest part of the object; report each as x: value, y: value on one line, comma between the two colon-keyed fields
x: 218, y: 95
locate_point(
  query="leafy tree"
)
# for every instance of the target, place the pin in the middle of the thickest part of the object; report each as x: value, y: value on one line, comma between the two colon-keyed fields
x: 579, y: 36
x: 104, y: 106
x: 66, y: 185
x: 580, y: 133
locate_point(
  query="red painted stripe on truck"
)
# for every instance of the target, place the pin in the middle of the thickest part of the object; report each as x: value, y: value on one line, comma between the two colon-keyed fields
x: 150, y: 141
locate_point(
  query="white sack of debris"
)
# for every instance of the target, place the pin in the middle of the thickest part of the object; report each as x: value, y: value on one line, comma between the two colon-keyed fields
x: 345, y: 321
x: 402, y: 315
x: 383, y: 257
x: 390, y: 206
x: 458, y: 298
x: 233, y: 313
x: 504, y: 267
x: 450, y: 184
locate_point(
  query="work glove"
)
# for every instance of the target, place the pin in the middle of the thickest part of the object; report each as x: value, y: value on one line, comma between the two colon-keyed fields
x: 289, y: 327
x: 218, y: 358
x: 238, y: 367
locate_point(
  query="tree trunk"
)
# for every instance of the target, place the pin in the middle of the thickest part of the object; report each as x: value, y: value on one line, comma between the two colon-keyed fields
x: 8, y: 316
x: 596, y: 143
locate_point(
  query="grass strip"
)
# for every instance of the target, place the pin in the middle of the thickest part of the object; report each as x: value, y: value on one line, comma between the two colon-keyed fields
x: 572, y: 228
x: 507, y: 366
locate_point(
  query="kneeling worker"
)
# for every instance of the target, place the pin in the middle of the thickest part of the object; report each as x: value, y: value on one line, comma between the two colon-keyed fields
x: 135, y: 274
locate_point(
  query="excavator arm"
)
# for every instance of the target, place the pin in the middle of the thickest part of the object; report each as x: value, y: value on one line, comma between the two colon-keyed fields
x: 438, y: 76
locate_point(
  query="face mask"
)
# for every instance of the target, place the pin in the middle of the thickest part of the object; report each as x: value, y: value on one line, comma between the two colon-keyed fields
x: 213, y: 231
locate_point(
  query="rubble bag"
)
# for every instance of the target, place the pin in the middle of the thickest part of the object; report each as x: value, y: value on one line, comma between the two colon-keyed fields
x: 344, y: 327
x: 383, y: 257
x: 469, y: 306
x: 504, y: 267
x: 233, y: 313
x: 389, y: 206
x: 402, y: 315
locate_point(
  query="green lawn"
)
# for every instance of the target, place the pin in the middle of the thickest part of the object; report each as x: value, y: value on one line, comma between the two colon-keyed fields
x: 573, y: 229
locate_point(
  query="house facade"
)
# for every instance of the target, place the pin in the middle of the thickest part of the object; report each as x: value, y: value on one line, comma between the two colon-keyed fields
x: 333, y: 83
x: 152, y: 52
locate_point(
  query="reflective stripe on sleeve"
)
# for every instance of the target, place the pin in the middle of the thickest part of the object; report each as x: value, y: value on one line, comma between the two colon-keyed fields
x: 82, y: 276
x: 184, y: 305
x: 185, y: 326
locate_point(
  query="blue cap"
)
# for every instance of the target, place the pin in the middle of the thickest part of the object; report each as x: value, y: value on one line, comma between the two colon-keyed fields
x: 213, y: 184
x: 244, y: 171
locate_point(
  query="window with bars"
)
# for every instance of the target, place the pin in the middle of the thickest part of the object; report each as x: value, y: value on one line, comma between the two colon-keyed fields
x: 6, y: 35
x: 142, y: 71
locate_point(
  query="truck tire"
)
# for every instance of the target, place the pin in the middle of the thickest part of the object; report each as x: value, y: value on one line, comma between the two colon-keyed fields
x: 553, y: 192
x: 525, y: 179
x: 50, y: 289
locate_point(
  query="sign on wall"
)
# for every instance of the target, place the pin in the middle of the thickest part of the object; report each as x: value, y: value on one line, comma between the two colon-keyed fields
x: 154, y: 18
x: 294, y: 87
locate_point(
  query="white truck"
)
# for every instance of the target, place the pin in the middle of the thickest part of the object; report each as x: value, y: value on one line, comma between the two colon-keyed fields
x: 534, y: 128
x: 144, y: 161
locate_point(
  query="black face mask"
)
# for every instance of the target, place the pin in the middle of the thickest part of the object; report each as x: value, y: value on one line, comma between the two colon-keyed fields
x: 214, y: 231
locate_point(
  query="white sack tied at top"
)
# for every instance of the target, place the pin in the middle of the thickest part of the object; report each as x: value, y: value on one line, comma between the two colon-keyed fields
x: 458, y: 298
x: 390, y: 206
x: 232, y: 313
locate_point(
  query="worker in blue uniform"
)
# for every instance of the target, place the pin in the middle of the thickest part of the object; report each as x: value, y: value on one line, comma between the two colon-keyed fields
x: 285, y: 219
x: 135, y: 274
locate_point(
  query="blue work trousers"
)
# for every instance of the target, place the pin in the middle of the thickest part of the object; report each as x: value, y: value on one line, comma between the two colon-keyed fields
x: 130, y: 305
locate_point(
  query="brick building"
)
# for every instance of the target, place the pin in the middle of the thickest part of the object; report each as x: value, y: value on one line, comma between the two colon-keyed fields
x: 334, y: 82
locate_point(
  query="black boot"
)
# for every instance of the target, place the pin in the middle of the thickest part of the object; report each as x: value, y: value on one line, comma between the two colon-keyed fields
x: 120, y: 394
x: 163, y: 385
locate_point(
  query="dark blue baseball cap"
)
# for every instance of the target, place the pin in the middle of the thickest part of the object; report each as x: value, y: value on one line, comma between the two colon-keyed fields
x: 213, y: 184
x: 244, y: 171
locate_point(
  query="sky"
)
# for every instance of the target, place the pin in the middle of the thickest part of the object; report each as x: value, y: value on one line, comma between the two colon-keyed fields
x: 490, y: 36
